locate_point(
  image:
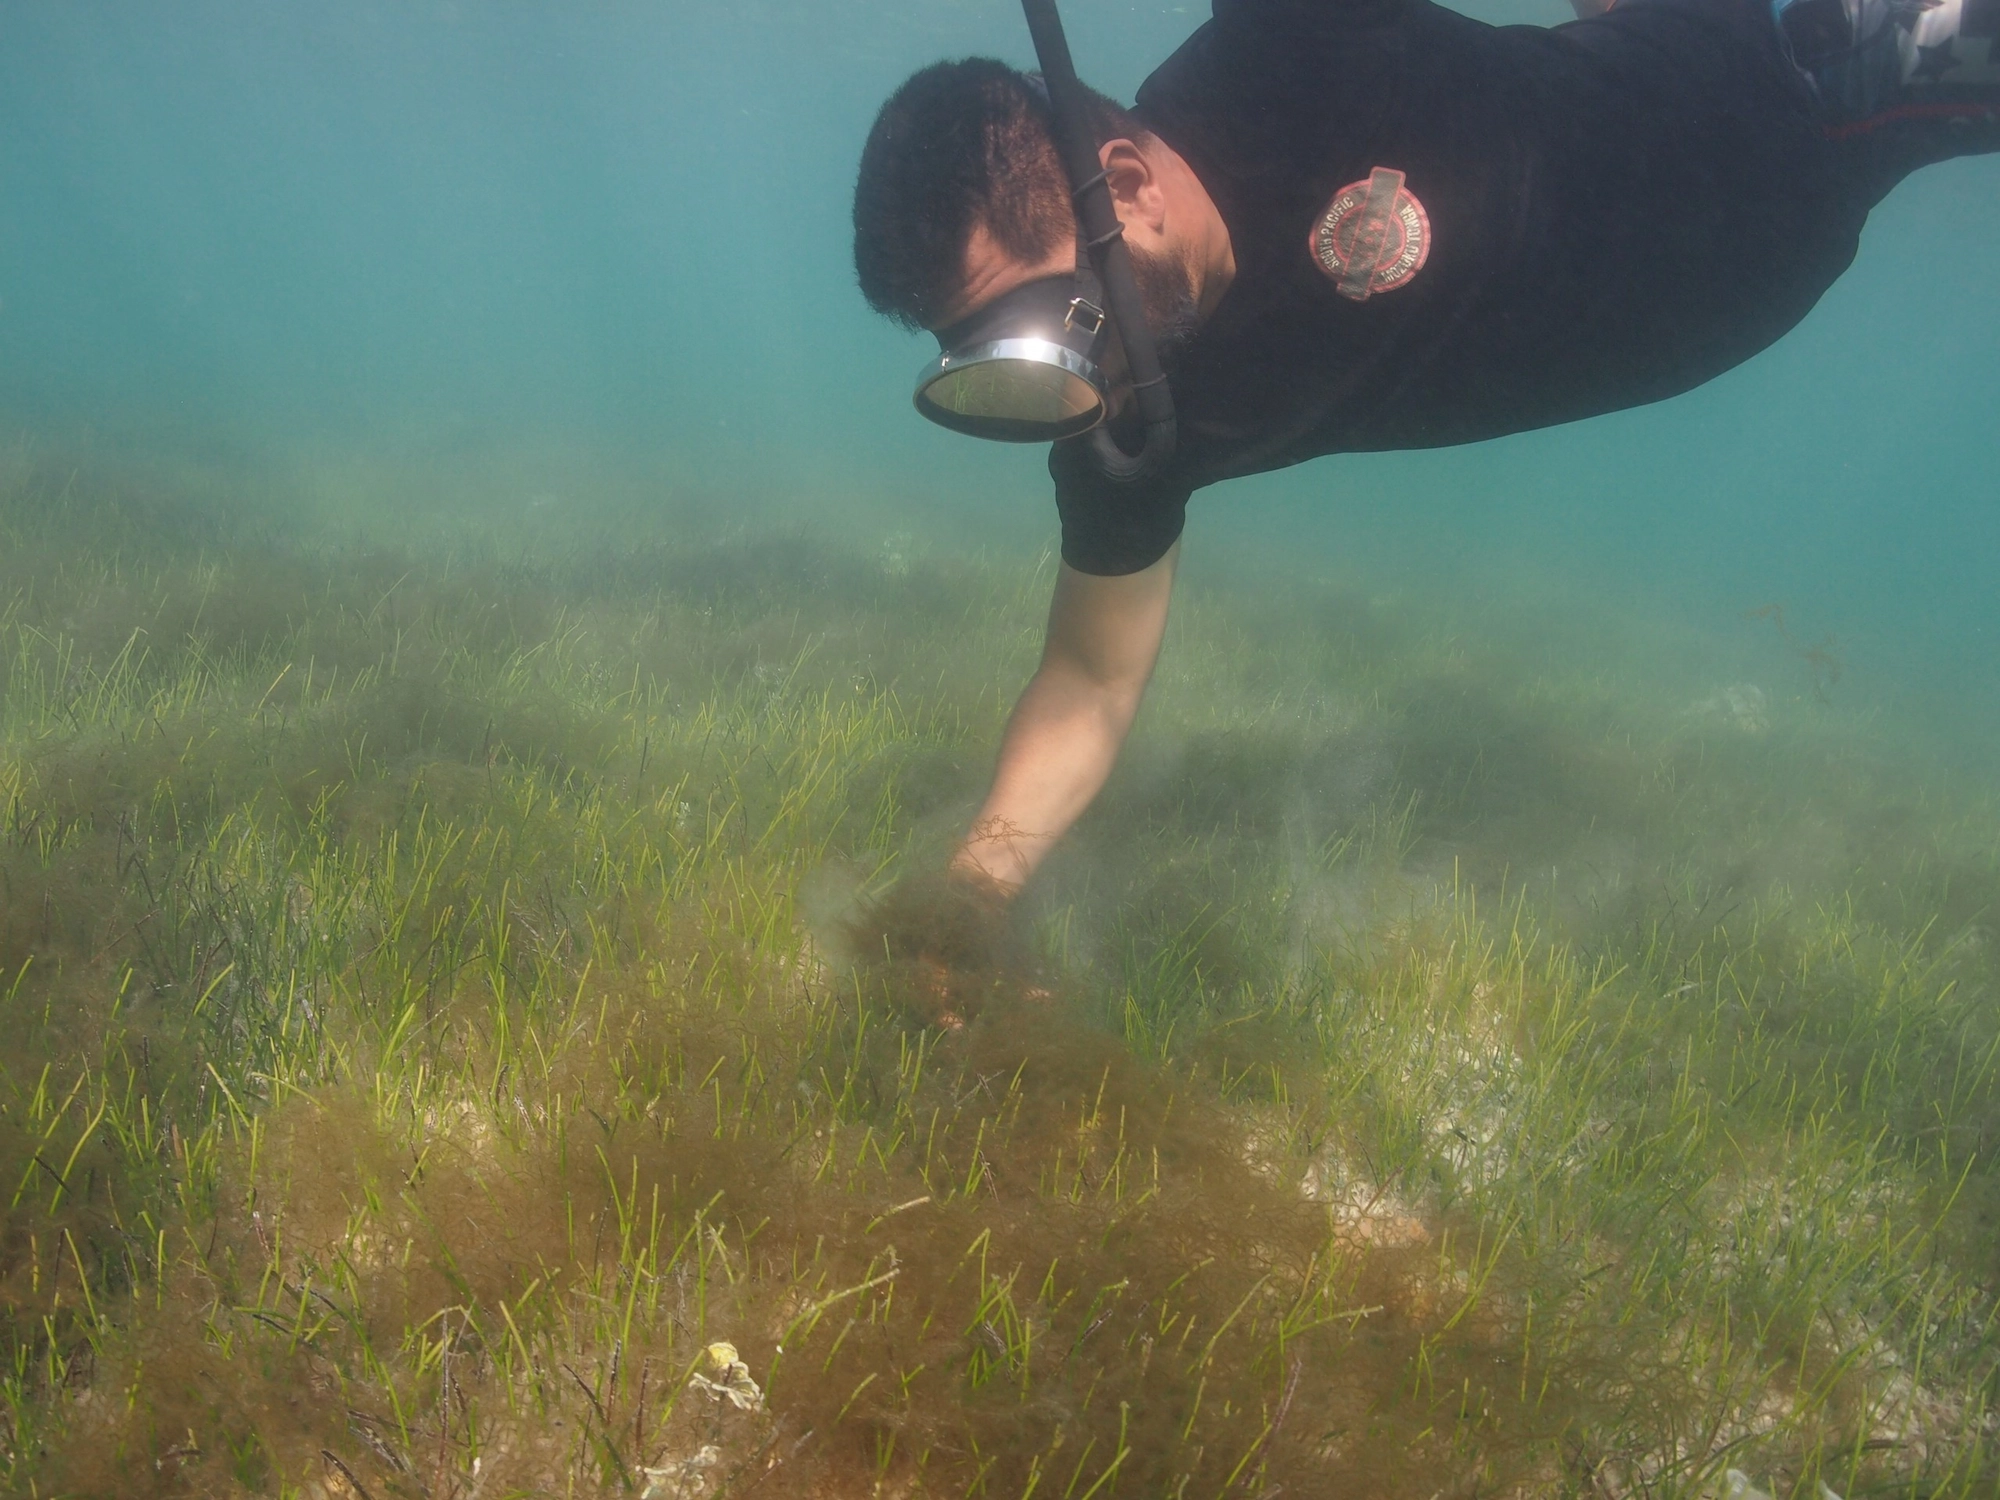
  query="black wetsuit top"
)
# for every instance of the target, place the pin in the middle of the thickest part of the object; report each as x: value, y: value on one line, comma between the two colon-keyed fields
x: 1590, y: 217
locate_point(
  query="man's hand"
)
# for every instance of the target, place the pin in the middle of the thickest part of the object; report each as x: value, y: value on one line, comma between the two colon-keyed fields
x: 1066, y: 730
x: 943, y: 944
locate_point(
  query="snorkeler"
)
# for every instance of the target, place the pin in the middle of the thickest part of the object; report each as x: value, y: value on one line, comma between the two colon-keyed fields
x: 1346, y: 225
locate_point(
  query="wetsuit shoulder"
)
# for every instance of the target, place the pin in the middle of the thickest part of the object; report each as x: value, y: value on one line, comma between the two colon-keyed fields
x: 1309, y: 14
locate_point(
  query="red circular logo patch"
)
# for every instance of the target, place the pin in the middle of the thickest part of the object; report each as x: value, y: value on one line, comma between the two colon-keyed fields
x: 1373, y: 237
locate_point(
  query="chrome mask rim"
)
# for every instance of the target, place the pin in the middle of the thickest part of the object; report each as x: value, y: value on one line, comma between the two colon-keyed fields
x: 1027, y: 351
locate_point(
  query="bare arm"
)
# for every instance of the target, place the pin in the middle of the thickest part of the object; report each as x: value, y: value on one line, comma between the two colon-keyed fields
x: 1066, y: 730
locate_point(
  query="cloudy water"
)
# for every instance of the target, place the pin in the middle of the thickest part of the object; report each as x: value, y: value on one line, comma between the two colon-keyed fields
x: 463, y: 227
x: 491, y: 667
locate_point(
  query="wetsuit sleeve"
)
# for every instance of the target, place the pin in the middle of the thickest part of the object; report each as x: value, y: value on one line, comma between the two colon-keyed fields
x: 1112, y: 529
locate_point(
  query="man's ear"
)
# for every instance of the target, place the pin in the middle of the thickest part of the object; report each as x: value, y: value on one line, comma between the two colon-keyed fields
x: 1135, y: 187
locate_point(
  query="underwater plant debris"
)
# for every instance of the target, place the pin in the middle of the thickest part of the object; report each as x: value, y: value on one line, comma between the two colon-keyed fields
x: 438, y: 1059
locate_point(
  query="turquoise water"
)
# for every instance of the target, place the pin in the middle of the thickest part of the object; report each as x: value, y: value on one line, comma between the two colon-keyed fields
x: 1557, y: 1014
x: 514, y: 234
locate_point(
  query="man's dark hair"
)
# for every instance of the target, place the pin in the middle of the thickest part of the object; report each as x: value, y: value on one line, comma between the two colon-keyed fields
x: 960, y: 144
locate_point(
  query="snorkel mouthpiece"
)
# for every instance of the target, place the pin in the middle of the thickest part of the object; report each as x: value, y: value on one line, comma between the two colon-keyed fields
x: 1024, y: 368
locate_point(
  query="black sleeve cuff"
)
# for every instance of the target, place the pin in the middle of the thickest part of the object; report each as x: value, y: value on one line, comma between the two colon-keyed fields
x: 1112, y: 529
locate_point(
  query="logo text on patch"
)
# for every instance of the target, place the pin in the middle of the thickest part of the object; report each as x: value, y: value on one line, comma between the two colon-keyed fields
x: 1373, y: 237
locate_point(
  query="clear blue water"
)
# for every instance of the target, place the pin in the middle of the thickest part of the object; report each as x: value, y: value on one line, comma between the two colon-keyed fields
x: 444, y: 230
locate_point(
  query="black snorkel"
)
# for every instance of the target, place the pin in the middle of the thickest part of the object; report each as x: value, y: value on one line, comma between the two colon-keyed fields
x: 1104, y: 244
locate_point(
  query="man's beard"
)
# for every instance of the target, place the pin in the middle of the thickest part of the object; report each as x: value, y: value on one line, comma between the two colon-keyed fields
x: 1167, y: 292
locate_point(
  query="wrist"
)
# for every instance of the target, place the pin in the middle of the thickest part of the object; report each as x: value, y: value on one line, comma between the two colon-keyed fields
x: 998, y: 865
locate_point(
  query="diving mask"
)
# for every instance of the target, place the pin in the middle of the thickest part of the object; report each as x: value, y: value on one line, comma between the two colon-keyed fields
x: 1026, y: 367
